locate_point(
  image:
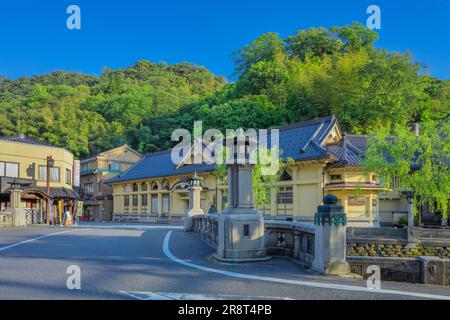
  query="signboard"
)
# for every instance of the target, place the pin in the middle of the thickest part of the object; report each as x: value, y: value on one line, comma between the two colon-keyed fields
x: 357, y: 202
x: 79, y: 208
x: 76, y: 173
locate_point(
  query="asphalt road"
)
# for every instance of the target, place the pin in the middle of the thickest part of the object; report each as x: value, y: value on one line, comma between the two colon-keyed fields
x: 160, y: 262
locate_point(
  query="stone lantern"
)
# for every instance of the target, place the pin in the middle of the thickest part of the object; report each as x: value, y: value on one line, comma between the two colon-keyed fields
x: 195, y: 191
x: 241, y: 226
x: 18, y: 213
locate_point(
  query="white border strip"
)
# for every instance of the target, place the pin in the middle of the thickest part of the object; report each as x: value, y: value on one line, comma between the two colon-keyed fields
x: 169, y: 254
x: 38, y: 238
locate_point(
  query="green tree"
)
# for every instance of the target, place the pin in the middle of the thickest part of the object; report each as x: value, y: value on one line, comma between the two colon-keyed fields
x: 420, y: 163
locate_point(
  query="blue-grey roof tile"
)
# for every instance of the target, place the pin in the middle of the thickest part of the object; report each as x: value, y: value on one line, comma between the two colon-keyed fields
x: 300, y: 141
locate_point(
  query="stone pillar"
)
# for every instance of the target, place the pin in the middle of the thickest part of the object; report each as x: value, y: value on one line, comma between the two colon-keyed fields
x: 18, y: 213
x: 241, y: 226
x: 15, y: 198
x: 330, y: 238
x: 195, y: 193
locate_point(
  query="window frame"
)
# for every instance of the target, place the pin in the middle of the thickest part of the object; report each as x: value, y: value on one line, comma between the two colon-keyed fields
x: 40, y: 179
x: 5, y: 163
x: 68, y: 177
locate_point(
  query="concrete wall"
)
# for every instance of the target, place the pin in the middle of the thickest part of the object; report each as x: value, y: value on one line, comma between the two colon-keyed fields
x: 426, y: 270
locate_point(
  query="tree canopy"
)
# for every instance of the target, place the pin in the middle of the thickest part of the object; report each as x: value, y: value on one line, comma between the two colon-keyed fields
x: 315, y: 72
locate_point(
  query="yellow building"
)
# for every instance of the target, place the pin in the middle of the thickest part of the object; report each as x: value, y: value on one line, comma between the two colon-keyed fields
x: 23, y: 160
x: 96, y: 195
x: 325, y: 161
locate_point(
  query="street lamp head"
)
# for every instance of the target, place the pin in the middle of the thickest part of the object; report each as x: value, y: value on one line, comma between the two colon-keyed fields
x: 50, y: 161
x: 409, y: 196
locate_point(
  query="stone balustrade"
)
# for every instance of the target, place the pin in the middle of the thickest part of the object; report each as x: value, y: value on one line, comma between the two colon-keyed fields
x: 290, y: 239
x: 283, y: 238
x: 207, y: 226
x: 5, y: 219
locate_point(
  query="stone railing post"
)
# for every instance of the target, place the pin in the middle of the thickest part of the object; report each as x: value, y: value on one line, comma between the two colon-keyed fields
x: 330, y: 238
x: 195, y: 191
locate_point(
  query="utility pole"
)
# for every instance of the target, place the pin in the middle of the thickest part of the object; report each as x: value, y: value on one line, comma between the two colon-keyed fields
x: 50, y: 163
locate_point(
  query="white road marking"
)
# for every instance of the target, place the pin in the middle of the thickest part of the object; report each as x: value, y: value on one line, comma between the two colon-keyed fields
x: 38, y: 238
x: 139, y: 295
x: 169, y: 254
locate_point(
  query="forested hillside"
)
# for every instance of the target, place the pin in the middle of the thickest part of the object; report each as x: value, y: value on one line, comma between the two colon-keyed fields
x: 313, y: 73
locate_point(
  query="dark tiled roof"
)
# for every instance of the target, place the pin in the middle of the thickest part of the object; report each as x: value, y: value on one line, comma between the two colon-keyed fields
x: 300, y: 141
x: 55, y: 193
x: 349, y: 150
x: 61, y: 193
x: 21, y: 138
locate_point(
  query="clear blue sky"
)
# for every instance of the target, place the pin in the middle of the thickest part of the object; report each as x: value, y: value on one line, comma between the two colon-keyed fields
x: 34, y: 38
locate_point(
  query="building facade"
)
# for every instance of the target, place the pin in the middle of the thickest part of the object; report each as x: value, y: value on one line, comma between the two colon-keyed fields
x: 23, y: 162
x: 95, y: 194
x: 325, y: 161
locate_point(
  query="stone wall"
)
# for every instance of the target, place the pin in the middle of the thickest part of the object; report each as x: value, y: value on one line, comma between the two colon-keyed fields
x: 389, y: 242
x: 424, y: 260
x: 426, y: 270
x: 394, y: 248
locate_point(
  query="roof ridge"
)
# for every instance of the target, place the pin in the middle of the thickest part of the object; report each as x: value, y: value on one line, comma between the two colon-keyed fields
x: 305, y: 123
x: 22, y: 138
x: 147, y: 155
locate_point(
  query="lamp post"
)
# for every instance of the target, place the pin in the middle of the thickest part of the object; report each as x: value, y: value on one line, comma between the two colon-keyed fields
x: 410, y: 198
x: 409, y: 194
x: 50, y: 163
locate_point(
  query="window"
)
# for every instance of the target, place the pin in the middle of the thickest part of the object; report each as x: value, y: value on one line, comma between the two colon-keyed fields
x: 68, y: 176
x: 126, y: 201
x: 90, y: 166
x: 336, y: 177
x: 144, y: 186
x: 144, y: 200
x: 246, y: 230
x: 165, y: 204
x: 8, y: 169
x: 89, y: 188
x: 285, y: 200
x: 135, y: 187
x: 114, y: 166
x: 154, y: 204
x: 126, y: 188
x: 154, y: 186
x: 135, y: 200
x: 166, y: 185
x: 286, y: 175
x: 54, y: 174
